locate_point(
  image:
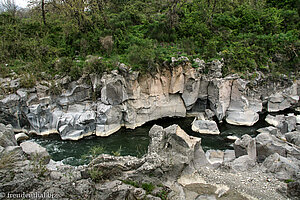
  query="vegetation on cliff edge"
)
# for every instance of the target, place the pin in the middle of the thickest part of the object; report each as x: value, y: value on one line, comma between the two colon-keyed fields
x: 56, y: 36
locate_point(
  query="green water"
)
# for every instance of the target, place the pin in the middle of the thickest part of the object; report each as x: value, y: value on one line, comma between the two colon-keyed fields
x: 135, y: 142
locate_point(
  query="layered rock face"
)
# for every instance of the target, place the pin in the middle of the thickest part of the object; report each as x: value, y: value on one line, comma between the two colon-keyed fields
x: 102, y: 104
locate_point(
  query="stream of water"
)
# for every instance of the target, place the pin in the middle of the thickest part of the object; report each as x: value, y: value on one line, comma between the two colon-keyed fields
x: 135, y: 142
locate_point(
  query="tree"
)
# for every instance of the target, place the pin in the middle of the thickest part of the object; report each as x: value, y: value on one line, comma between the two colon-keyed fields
x: 9, y: 6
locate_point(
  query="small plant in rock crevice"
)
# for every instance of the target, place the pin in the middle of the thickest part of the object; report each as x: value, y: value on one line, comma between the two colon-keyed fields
x: 38, y: 165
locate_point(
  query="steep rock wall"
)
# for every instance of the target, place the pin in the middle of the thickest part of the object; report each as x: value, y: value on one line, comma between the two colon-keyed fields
x: 101, y: 105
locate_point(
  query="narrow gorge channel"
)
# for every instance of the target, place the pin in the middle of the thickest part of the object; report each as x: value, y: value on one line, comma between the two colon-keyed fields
x: 135, y: 142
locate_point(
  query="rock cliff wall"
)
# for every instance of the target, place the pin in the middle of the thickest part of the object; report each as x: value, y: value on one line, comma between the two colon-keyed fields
x: 101, y: 105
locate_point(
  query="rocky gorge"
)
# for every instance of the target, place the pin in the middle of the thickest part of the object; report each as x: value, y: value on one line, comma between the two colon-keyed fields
x: 175, y: 165
x: 102, y: 104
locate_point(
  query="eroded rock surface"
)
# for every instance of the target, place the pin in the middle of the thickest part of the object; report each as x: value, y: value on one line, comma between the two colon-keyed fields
x: 102, y: 104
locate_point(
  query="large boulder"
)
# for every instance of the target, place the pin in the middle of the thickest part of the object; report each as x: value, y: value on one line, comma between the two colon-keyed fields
x: 108, y: 119
x: 245, y: 146
x: 21, y: 136
x: 191, y: 91
x: 242, y: 110
x: 215, y: 157
x: 113, y: 93
x: 267, y: 144
x: 148, y: 108
x: 281, y: 100
x: 277, y: 102
x: 35, y: 151
x: 293, y: 137
x: 242, y: 118
x: 283, y: 168
x: 171, y: 149
x: 283, y: 123
x: 271, y: 130
x: 77, y: 122
x: 7, y: 136
x: 242, y: 163
x: 219, y: 91
x: 205, y: 127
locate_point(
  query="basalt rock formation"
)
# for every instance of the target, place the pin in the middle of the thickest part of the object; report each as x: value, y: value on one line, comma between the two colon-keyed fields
x: 102, y: 104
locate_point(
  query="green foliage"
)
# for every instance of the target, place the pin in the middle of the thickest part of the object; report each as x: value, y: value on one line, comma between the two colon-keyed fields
x: 149, y: 187
x: 249, y: 35
x: 118, y: 152
x: 95, y: 174
x: 28, y: 81
x: 38, y: 165
x: 130, y: 182
x: 289, y: 180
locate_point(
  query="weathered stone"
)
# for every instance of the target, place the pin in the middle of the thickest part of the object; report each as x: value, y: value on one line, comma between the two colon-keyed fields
x: 177, y: 80
x: 14, y: 151
x: 293, y: 137
x: 283, y: 168
x: 283, y: 123
x: 242, y: 163
x: 244, y: 118
x: 271, y: 130
x: 215, y: 157
x: 245, y: 146
x: 21, y: 136
x: 141, y: 111
x: 191, y: 92
x: 77, y: 122
x: 113, y: 93
x: 108, y: 120
x: 219, y: 91
x: 229, y: 156
x: 267, y: 144
x: 277, y: 102
x: 7, y: 136
x: 35, y: 151
x: 293, y: 189
x: 275, y: 121
x: 233, y: 138
x: 205, y: 127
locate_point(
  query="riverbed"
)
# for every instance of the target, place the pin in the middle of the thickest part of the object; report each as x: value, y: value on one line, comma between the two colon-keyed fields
x: 135, y: 142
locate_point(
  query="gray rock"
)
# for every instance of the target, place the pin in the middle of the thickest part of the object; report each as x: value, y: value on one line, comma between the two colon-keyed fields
x: 118, y: 190
x: 219, y: 91
x: 191, y: 92
x: 293, y: 189
x: 22, y: 93
x: 7, y: 136
x: 35, y: 151
x: 215, y: 157
x: 229, y: 155
x: 15, y: 151
x: 245, y: 146
x: 283, y: 123
x: 293, y: 137
x: 283, y: 168
x: 75, y: 94
x: 209, y: 114
x: 21, y: 136
x: 113, y: 93
x: 274, y: 120
x: 271, y: 130
x: 242, y: 163
x: 242, y: 118
x: 277, y: 102
x: 298, y: 119
x: 205, y: 127
x: 267, y: 144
